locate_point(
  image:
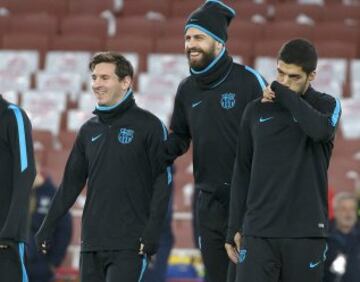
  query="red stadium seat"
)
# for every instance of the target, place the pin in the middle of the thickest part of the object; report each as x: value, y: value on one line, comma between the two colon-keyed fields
x: 335, y: 31
x: 137, y: 26
x: 268, y: 48
x: 336, y: 49
x: 247, y: 10
x: 27, y: 41
x: 94, y: 7
x: 34, y: 23
x: 170, y: 44
x: 132, y: 43
x: 142, y: 7
x: 245, y: 30
x: 77, y: 42
x: 183, y: 8
x: 56, y: 7
x: 290, y: 11
x: 173, y: 27
x: 286, y: 31
x: 90, y: 25
x: 341, y: 13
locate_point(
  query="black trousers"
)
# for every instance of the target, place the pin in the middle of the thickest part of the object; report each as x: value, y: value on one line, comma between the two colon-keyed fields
x: 285, y: 260
x: 12, y: 263
x: 112, y: 266
x: 212, y: 219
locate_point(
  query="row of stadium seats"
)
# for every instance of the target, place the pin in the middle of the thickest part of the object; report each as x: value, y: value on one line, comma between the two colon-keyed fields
x: 271, y: 9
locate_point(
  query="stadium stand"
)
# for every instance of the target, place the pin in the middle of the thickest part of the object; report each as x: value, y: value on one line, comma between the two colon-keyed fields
x: 46, y: 46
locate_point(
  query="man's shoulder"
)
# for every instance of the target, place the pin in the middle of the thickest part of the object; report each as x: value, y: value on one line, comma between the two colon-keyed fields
x: 324, y: 98
x: 248, y: 74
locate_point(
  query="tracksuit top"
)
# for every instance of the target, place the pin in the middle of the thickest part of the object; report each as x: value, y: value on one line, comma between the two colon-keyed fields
x: 127, y: 195
x: 279, y: 186
x: 209, y: 114
x: 17, y: 172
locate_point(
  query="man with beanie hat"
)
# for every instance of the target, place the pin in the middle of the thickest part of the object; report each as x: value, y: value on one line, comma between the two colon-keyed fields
x: 208, y: 107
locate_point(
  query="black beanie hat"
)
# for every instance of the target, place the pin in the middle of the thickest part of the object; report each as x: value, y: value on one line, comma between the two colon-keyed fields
x: 213, y: 18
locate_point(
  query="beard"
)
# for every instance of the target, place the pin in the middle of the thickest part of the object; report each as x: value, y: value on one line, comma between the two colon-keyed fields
x: 203, y: 60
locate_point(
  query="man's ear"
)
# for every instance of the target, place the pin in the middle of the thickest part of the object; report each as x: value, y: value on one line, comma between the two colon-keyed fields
x: 219, y: 46
x: 126, y: 82
x: 312, y: 75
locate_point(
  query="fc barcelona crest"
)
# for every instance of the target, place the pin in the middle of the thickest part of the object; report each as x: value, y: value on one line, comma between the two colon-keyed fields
x: 126, y: 136
x: 242, y: 255
x: 227, y: 100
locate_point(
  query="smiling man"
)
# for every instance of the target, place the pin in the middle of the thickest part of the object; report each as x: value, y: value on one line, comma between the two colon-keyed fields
x: 207, y: 111
x: 115, y: 153
x: 278, y: 210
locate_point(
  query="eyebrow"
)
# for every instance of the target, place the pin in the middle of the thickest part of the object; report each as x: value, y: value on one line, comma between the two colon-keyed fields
x: 293, y: 75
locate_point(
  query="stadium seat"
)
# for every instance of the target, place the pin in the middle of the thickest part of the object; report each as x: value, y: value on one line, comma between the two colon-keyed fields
x: 173, y: 27
x: 168, y: 63
x: 334, y: 31
x: 89, y: 25
x: 241, y: 48
x: 336, y: 49
x: 183, y: 8
x: 268, y: 48
x: 55, y: 7
x: 76, y: 118
x: 244, y: 30
x: 143, y: 7
x: 70, y: 62
x: 77, y: 43
x: 266, y: 66
x: 132, y: 43
x: 45, y: 24
x: 137, y: 26
x: 27, y: 41
x: 341, y: 13
x: 159, y: 84
x: 170, y: 44
x: 19, y: 62
x: 287, y: 30
x: 291, y: 11
x: 246, y: 11
x: 70, y: 83
x: 90, y: 7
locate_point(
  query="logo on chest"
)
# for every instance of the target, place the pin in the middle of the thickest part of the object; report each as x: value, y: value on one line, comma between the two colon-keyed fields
x: 227, y: 101
x: 126, y: 136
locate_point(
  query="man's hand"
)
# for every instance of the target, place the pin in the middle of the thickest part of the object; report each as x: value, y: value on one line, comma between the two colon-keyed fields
x: 141, y: 250
x: 268, y: 95
x: 233, y: 250
x: 44, y: 247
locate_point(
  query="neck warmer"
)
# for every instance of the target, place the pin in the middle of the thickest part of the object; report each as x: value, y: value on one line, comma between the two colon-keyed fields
x: 108, y: 114
x: 215, y: 73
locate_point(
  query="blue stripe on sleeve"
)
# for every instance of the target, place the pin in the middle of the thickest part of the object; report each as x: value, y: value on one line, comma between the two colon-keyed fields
x: 168, y: 169
x: 22, y: 139
x: 336, y: 114
x: 143, y: 268
x: 258, y: 76
x: 22, y: 255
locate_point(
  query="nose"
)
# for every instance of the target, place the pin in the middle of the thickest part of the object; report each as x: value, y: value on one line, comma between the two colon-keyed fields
x: 189, y: 43
x: 286, y: 80
x: 95, y: 82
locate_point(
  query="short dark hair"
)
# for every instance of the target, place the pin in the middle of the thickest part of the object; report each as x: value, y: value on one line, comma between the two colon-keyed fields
x: 123, y: 67
x: 300, y: 52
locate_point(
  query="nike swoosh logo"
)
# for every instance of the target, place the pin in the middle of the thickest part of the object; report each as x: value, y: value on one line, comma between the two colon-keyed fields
x: 313, y: 265
x: 196, y: 104
x: 96, y: 137
x: 265, y: 119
